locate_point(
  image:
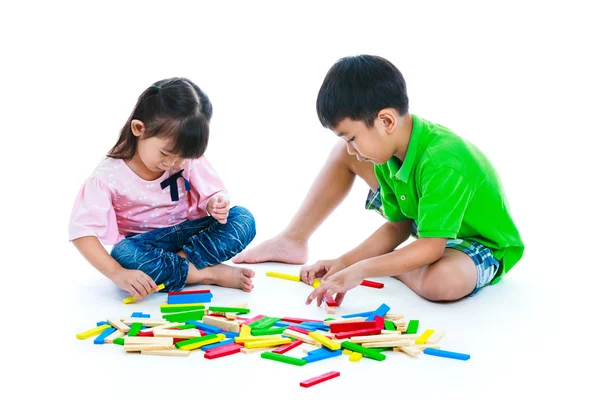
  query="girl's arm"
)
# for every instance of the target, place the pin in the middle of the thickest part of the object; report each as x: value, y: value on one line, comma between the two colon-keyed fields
x: 136, y: 282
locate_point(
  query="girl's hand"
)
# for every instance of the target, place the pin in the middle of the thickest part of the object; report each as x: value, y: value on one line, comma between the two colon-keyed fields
x: 136, y: 282
x: 218, y: 208
x: 322, y: 268
x: 336, y: 284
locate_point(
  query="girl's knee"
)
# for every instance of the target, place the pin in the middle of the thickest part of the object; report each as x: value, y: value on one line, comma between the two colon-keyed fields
x: 124, y: 253
x: 244, y: 223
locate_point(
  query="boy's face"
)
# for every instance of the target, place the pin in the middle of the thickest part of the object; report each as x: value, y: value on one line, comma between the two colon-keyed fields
x: 367, y: 144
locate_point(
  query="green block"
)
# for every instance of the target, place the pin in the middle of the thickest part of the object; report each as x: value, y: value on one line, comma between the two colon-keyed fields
x: 329, y: 319
x: 264, y: 323
x: 120, y: 341
x: 268, y: 331
x: 380, y: 349
x: 283, y: 358
x: 185, y: 316
x: 188, y: 326
x: 230, y: 309
x: 195, y: 340
x: 375, y: 355
x: 413, y: 327
x: 171, y: 308
x: 136, y: 327
x: 389, y: 326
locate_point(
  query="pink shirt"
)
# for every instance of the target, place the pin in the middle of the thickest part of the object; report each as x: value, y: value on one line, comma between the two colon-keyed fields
x: 114, y: 202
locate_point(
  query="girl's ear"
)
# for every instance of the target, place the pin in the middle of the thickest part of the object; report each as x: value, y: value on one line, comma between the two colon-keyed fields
x: 137, y: 127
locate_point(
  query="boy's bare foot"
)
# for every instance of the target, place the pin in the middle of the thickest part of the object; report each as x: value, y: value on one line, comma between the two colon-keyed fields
x: 279, y: 249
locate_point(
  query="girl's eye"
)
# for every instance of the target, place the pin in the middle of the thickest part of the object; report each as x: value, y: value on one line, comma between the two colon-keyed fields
x: 163, y: 154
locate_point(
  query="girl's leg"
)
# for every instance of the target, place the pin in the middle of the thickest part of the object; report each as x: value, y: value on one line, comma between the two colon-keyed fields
x: 327, y: 191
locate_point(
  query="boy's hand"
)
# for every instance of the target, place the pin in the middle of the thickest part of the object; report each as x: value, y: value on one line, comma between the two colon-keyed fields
x: 218, y: 208
x: 320, y: 269
x: 338, y: 284
x: 136, y: 282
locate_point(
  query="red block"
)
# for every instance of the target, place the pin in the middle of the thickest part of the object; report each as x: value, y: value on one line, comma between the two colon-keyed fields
x: 298, y: 320
x: 379, y: 322
x: 360, y: 332
x: 297, y: 329
x: 251, y: 320
x: 351, y: 326
x: 176, y: 340
x: 318, y: 379
x: 376, y: 285
x: 331, y: 303
x: 145, y: 333
x: 223, y: 351
x: 191, y: 292
x: 287, y: 347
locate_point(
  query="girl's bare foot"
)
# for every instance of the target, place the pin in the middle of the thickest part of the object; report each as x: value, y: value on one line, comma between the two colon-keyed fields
x: 222, y: 275
x: 279, y: 249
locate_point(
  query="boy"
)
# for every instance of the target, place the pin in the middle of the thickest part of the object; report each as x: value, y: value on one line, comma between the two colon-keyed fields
x: 426, y: 181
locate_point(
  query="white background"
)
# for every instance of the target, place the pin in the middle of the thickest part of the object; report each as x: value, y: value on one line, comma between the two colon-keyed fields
x: 519, y: 79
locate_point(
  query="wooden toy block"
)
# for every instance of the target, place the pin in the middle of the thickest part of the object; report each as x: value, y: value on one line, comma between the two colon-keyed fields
x: 229, y: 310
x: 299, y: 336
x: 145, y: 316
x: 184, y: 316
x: 375, y: 355
x: 264, y: 323
x: 392, y: 317
x: 106, y: 333
x: 256, y: 350
x: 201, y: 291
x: 331, y: 310
x: 319, y: 379
x: 206, y: 327
x: 352, y: 326
x: 379, y: 322
x: 280, y: 275
x: 410, y: 350
x: 436, y: 337
x: 374, y: 338
x: 131, y: 299
x: 230, y: 335
x: 231, y: 316
x: 115, y: 335
x: 287, y: 347
x: 283, y: 358
x: 355, y: 357
x: 145, y: 334
x: 135, y: 329
x: 223, y: 351
x: 413, y: 326
x: 136, y: 315
x: 360, y: 332
x: 170, y: 308
x: 268, y: 331
x: 185, y: 345
x: 222, y: 343
x: 151, y: 322
x: 177, y: 333
x: 299, y: 320
x: 446, y: 354
x: 373, y: 284
x: 244, y: 330
x: 165, y: 326
x: 183, y: 327
x: 254, y: 319
x: 343, y: 320
x: 316, y: 283
x: 92, y: 332
x: 362, y: 314
x: 348, y: 352
x: 298, y: 329
x: 423, y: 338
x: 322, y: 354
x: 244, y: 339
x: 139, y: 347
x: 380, y: 312
x: 314, y: 325
x: 169, y: 353
x: 331, y: 302
x: 427, y: 346
x: 117, y: 323
x: 189, y: 298
x: 266, y: 343
x: 395, y: 343
x: 330, y: 344
x: 120, y: 341
x: 222, y: 323
x: 167, y: 341
x: 389, y: 325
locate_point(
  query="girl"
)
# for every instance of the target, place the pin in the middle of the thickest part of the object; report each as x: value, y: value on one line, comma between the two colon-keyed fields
x: 160, y: 202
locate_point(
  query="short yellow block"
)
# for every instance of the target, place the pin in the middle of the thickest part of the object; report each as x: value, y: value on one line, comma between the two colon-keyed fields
x: 325, y: 341
x: 245, y: 331
x: 280, y: 275
x: 423, y: 338
x: 267, y: 343
x: 355, y: 357
x: 131, y: 299
x: 92, y: 332
x: 195, y: 346
x: 316, y: 283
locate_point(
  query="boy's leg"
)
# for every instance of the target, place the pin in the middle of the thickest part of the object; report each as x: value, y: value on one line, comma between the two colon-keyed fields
x: 327, y: 191
x: 210, y: 244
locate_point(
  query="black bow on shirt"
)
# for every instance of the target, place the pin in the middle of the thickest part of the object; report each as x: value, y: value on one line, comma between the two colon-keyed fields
x: 172, y: 182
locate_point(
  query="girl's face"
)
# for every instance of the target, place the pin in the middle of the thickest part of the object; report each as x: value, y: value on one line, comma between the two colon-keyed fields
x: 154, y: 152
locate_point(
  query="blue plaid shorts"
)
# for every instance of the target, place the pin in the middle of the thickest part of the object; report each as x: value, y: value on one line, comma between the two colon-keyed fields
x: 487, y: 265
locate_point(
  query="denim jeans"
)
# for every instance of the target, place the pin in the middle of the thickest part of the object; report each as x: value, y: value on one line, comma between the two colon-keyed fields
x: 205, y: 241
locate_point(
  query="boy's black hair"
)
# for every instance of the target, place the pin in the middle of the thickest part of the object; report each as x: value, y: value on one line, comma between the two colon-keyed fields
x: 358, y: 87
x: 176, y: 109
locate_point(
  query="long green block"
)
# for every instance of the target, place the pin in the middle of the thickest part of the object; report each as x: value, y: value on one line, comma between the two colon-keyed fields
x: 375, y: 355
x: 185, y: 316
x: 283, y: 358
x: 380, y: 349
x: 195, y: 340
x: 413, y: 327
x: 120, y: 341
x: 171, y: 308
x: 136, y: 327
x: 389, y: 326
x: 264, y: 323
x: 268, y: 331
x: 230, y: 309
x: 187, y: 326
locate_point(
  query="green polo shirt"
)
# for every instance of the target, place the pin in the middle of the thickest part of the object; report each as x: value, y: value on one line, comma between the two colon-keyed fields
x: 450, y: 189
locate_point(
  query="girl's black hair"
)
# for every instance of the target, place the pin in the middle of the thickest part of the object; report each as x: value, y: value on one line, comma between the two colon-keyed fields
x: 176, y: 109
x: 358, y: 87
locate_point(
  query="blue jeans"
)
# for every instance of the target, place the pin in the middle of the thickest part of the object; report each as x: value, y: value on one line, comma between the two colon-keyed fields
x: 205, y: 241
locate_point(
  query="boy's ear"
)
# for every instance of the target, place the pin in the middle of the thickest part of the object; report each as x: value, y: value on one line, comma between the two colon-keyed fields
x: 388, y: 119
x: 137, y: 127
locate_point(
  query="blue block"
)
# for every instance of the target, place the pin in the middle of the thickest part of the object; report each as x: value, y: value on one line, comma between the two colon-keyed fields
x: 230, y: 335
x: 380, y: 312
x: 446, y: 354
x: 286, y: 324
x: 322, y: 350
x: 102, y: 323
x: 145, y: 316
x: 361, y: 314
x: 205, y: 327
x: 281, y: 324
x: 221, y: 343
x: 322, y: 355
x: 100, y: 338
x: 136, y: 315
x: 314, y: 325
x: 189, y: 298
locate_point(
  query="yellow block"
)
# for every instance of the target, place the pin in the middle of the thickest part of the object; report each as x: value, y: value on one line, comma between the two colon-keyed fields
x: 316, y: 283
x: 267, y: 343
x: 245, y: 331
x: 195, y: 346
x: 131, y: 299
x: 168, y: 306
x: 347, y: 352
x: 355, y: 357
x: 244, y: 339
x: 92, y: 332
x: 280, y: 275
x: 325, y: 341
x: 423, y: 338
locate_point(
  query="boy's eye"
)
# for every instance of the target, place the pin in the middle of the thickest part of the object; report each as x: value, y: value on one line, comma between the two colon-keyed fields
x: 351, y: 140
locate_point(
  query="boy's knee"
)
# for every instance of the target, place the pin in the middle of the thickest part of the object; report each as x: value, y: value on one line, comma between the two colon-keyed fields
x: 444, y: 284
x: 243, y: 221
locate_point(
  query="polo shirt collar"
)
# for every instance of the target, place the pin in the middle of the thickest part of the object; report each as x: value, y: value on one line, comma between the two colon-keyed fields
x: 411, y: 154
